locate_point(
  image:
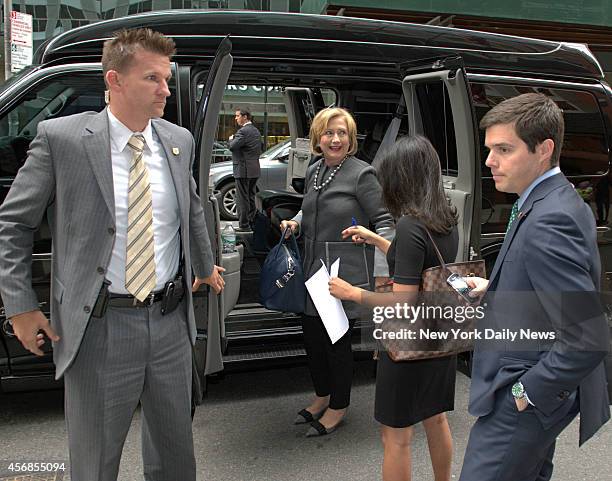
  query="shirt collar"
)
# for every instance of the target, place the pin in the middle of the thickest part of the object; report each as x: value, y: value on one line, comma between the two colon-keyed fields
x: 247, y: 123
x: 120, y: 134
x: 549, y: 173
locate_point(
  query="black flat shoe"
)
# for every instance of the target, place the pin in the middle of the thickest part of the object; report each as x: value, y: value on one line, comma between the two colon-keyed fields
x: 317, y: 429
x: 305, y: 417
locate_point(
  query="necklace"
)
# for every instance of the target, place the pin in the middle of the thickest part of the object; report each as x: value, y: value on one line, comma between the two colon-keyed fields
x: 331, y: 176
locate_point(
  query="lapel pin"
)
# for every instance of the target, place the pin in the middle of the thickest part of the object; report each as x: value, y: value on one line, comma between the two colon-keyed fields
x: 175, y: 150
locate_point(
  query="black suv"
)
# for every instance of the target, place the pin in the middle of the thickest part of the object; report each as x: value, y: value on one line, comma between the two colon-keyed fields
x: 396, y: 78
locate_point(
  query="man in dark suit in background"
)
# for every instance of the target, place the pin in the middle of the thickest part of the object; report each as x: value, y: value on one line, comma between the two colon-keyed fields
x: 246, y: 149
x: 546, y: 279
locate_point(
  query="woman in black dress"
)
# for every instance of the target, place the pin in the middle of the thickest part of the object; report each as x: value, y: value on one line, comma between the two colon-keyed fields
x: 415, y: 391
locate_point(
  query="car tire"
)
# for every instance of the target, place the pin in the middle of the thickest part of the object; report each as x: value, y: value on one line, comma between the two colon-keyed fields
x: 228, y: 209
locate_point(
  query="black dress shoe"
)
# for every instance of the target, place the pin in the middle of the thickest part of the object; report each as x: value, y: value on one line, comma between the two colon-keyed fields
x: 317, y: 429
x: 305, y: 416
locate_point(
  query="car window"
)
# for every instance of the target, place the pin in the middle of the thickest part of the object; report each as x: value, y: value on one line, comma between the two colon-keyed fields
x: 278, y: 149
x: 584, y: 156
x: 60, y: 96
x: 438, y: 124
x: 9, y: 82
x: 267, y: 106
x: 373, y: 106
x: 54, y: 98
x: 585, y: 149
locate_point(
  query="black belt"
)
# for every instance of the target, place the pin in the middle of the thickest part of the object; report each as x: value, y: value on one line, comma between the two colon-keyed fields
x: 127, y: 300
x: 170, y: 297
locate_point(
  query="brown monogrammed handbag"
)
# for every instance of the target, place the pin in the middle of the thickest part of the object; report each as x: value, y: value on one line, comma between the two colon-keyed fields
x: 435, y: 295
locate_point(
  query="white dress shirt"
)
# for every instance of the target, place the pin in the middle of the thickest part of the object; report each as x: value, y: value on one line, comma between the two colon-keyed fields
x: 165, y: 205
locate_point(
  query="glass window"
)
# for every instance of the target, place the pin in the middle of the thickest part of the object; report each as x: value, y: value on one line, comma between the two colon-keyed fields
x: 373, y: 108
x: 267, y: 106
x: 61, y: 96
x: 584, y: 156
x: 436, y: 117
x: 55, y: 98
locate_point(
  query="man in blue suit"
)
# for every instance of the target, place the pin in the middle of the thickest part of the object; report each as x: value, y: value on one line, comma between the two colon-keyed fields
x: 545, y: 281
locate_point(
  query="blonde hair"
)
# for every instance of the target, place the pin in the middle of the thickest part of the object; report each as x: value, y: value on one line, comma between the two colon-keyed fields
x: 322, y: 120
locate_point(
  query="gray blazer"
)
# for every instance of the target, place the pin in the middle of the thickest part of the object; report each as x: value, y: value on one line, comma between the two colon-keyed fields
x: 68, y: 172
x: 246, y: 149
x: 546, y: 278
x: 354, y: 192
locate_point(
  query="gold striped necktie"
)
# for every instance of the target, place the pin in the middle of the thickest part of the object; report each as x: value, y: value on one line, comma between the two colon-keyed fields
x: 140, y: 277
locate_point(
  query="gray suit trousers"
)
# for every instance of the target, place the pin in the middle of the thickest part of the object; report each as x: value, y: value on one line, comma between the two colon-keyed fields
x: 127, y: 357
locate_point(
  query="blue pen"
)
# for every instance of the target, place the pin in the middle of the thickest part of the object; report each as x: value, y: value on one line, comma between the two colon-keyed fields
x: 353, y: 224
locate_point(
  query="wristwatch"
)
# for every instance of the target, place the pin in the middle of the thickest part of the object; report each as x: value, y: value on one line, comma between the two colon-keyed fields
x: 518, y: 390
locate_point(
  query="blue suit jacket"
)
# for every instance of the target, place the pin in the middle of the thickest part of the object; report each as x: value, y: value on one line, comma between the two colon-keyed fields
x: 546, y: 278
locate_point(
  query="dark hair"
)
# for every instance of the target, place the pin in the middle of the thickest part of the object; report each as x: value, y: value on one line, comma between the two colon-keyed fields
x: 246, y: 113
x: 536, y: 118
x: 411, y: 182
x: 119, y: 51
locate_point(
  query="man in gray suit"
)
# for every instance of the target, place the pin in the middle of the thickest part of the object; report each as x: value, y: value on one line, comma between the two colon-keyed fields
x: 544, y: 288
x: 246, y: 149
x: 128, y: 232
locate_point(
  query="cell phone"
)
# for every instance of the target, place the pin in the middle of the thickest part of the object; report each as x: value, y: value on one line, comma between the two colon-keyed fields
x: 461, y: 287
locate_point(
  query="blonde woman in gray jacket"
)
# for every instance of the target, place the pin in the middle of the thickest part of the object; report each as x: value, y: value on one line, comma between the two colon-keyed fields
x: 340, y: 191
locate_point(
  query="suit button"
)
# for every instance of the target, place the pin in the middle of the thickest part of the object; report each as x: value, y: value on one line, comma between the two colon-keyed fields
x: 100, y: 270
x: 111, y: 230
x: 87, y: 309
x: 563, y: 395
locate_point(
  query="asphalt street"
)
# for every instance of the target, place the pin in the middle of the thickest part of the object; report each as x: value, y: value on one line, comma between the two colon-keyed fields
x: 243, y: 432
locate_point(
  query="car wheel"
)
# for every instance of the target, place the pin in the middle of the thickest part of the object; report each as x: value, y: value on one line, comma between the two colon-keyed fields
x: 227, y: 207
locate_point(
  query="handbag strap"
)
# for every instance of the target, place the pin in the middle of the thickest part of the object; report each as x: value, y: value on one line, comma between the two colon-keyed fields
x: 285, y: 278
x: 433, y: 242
x: 292, y: 241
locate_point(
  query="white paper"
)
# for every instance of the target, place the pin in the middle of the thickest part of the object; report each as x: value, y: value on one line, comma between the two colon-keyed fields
x: 329, y: 308
x: 335, y: 267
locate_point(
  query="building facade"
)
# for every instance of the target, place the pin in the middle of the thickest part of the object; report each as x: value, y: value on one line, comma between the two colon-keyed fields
x: 580, y: 21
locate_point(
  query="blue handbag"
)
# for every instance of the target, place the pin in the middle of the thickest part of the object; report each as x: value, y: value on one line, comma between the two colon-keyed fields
x: 281, y: 286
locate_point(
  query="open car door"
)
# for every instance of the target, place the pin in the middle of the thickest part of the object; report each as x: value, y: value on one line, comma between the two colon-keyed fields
x: 210, y: 308
x: 439, y: 107
x: 302, y: 104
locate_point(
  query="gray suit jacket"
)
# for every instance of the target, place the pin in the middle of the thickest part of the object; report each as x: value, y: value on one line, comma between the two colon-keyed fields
x: 246, y: 149
x: 68, y: 172
x: 354, y: 192
x: 546, y: 278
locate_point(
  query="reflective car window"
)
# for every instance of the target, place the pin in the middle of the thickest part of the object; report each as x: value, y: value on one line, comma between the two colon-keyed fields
x: 584, y: 156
